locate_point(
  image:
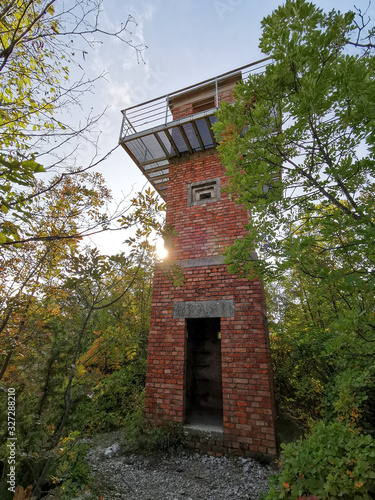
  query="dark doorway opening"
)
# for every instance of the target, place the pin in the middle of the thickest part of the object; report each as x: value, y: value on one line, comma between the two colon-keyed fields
x: 203, y: 394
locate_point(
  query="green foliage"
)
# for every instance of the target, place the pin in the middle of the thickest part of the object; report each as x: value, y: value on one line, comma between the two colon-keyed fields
x: 167, y: 437
x: 73, y: 323
x: 298, y: 146
x: 140, y: 435
x: 70, y: 469
x: 112, y: 401
x: 335, y: 461
x: 30, y: 73
x: 147, y: 216
x: 40, y: 42
x: 135, y: 424
x: 73, y: 341
x: 322, y: 349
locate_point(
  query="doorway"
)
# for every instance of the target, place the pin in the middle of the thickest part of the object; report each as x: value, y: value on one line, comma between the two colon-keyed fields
x: 203, y: 383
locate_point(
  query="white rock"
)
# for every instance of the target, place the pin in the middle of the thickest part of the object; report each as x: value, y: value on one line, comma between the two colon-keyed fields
x: 112, y: 450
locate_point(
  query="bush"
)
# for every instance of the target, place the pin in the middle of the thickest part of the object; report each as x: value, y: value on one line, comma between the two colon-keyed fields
x: 335, y: 461
x: 114, y: 397
x: 141, y: 435
x: 166, y: 437
x: 70, y: 469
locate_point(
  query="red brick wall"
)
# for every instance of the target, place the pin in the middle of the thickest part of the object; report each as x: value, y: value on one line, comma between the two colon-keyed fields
x: 182, y: 111
x: 203, y: 231
x: 188, y: 108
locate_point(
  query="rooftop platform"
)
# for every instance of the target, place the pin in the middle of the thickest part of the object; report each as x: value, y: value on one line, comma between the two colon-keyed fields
x: 176, y: 124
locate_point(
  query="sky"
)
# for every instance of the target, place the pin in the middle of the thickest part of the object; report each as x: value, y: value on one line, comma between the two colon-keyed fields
x: 187, y: 42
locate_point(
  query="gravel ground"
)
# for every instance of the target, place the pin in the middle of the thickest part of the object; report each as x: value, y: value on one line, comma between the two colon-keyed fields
x: 174, y: 476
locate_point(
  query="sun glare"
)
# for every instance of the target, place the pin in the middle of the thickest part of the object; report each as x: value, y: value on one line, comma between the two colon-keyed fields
x: 161, y: 251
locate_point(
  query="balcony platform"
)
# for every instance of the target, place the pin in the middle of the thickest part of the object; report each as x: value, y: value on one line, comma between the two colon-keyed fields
x: 152, y: 136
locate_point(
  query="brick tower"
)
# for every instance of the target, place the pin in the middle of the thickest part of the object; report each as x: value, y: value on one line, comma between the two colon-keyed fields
x: 208, y: 361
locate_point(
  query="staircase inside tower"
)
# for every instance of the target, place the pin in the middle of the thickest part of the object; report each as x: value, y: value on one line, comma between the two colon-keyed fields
x: 203, y: 393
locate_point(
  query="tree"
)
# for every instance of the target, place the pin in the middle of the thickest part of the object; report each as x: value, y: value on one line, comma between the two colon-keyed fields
x: 55, y: 294
x: 41, y: 43
x: 321, y: 348
x: 34, y: 269
x: 298, y: 145
x: 69, y: 301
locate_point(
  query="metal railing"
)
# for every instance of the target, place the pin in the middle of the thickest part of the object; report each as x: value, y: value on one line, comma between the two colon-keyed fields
x: 157, y: 111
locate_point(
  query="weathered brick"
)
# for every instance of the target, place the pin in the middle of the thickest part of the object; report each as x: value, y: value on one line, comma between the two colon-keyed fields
x: 203, y: 231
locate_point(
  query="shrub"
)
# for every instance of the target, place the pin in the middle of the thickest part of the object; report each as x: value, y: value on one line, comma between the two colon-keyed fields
x: 70, y: 469
x: 140, y: 434
x: 166, y: 437
x: 114, y: 397
x: 335, y: 461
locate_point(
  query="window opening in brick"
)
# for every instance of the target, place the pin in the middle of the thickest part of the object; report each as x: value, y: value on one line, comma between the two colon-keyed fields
x: 203, y: 196
x: 203, y: 192
x: 203, y: 383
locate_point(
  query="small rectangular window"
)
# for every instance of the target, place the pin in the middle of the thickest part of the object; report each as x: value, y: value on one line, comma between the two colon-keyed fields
x: 203, y: 192
x: 204, y: 196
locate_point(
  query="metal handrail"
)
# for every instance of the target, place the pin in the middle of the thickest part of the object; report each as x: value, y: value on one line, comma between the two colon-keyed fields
x: 150, y: 109
x: 201, y: 83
